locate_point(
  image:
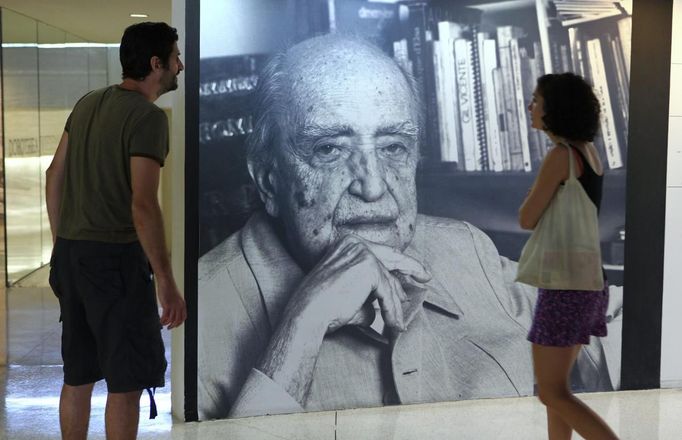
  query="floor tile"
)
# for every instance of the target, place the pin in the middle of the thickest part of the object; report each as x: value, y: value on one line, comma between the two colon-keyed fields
x: 31, y: 386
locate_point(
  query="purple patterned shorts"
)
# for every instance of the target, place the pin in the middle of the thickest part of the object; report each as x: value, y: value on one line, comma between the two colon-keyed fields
x: 568, y: 317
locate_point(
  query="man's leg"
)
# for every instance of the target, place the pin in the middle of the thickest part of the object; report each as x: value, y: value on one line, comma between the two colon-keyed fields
x: 122, y: 415
x: 74, y: 411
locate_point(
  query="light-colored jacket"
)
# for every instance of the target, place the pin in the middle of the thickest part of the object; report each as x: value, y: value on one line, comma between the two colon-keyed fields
x: 466, y: 337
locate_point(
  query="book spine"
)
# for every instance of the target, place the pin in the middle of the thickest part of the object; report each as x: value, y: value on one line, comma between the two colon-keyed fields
x: 465, y: 99
x: 500, y: 101
x: 536, y: 71
x: 625, y: 35
x: 528, y: 83
x: 439, y: 70
x: 543, y: 29
x: 400, y: 54
x: 601, y: 89
x: 556, y: 57
x: 520, y: 103
x: 448, y: 32
x: 479, y: 101
x: 504, y: 36
x: 622, y: 82
x: 566, y: 61
x: 575, y: 44
x: 492, y: 117
x: 420, y: 50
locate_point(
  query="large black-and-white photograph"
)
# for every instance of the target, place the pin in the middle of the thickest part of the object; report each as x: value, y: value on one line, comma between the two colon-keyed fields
x: 361, y: 168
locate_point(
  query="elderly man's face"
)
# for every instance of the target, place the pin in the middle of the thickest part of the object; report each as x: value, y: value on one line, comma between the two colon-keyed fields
x: 352, y: 165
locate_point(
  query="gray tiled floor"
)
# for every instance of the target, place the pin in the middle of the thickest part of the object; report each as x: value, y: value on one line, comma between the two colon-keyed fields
x: 31, y: 385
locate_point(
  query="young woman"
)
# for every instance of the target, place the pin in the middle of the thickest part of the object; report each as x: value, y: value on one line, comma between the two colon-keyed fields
x: 566, y: 109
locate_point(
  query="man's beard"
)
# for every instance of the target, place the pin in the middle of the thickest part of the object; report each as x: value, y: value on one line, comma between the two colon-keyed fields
x: 171, y: 85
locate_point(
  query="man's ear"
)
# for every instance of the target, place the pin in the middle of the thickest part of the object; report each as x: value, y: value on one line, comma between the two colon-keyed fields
x: 155, y: 63
x: 265, y: 179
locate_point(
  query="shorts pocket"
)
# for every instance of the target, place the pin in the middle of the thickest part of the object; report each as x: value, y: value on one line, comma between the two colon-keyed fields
x: 147, y: 360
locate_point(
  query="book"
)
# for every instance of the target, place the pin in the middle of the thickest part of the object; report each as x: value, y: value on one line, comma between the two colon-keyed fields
x: 445, y: 134
x: 401, y: 56
x: 465, y: 100
x: 557, y: 65
x: 479, y: 99
x: 446, y: 86
x: 500, y: 101
x: 625, y: 35
x: 572, y: 12
x: 622, y: 84
x: 528, y: 80
x: 541, y: 7
x: 537, y: 59
x: 537, y: 137
x: 488, y: 66
x: 601, y: 89
x: 418, y: 28
x: 537, y: 70
x: 520, y: 102
x: 575, y: 44
x: 511, y: 121
x: 566, y: 61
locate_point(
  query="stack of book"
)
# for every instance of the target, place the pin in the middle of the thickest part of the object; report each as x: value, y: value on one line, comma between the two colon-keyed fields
x: 574, y: 12
x: 592, y: 39
x: 477, y: 78
x: 476, y: 87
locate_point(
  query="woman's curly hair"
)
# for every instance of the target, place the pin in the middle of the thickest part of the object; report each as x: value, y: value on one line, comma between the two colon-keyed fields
x: 571, y: 107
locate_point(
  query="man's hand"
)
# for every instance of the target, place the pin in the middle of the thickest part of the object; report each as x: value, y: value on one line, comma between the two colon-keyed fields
x: 173, y: 305
x: 351, y: 275
x: 334, y: 294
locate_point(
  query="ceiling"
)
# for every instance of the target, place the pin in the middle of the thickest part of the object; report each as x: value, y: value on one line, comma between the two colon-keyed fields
x: 100, y: 21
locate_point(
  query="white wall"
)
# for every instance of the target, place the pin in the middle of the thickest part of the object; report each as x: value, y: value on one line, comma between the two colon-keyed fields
x: 177, y: 177
x: 671, y: 344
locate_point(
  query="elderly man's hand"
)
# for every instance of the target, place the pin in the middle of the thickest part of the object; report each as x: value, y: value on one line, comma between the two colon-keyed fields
x: 331, y: 296
x: 353, y: 272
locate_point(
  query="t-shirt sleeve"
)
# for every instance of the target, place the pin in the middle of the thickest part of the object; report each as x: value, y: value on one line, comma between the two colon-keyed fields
x: 149, y: 138
x: 67, y: 126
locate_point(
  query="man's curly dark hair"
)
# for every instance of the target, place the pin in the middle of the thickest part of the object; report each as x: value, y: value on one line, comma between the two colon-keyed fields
x: 571, y: 107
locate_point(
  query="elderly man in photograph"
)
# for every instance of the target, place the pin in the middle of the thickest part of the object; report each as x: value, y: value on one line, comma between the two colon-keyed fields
x: 339, y: 294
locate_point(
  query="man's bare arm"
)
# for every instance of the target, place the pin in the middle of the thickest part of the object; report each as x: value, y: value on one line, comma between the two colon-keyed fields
x: 145, y: 174
x: 54, y: 182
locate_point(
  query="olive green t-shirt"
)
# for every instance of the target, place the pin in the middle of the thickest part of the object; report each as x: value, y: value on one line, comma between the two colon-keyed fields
x: 105, y: 128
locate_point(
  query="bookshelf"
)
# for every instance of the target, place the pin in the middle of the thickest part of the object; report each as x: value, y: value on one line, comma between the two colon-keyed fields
x: 476, y: 63
x: 490, y: 201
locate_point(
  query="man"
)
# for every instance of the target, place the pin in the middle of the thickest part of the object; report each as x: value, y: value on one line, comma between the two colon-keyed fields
x: 340, y: 295
x: 107, y: 227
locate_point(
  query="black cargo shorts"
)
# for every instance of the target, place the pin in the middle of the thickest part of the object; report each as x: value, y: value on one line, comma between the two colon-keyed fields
x: 110, y: 320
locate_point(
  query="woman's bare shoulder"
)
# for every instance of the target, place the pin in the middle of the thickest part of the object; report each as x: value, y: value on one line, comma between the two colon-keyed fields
x: 556, y: 157
x: 556, y: 161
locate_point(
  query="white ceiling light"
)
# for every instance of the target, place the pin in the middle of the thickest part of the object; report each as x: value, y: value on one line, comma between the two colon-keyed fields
x: 139, y: 15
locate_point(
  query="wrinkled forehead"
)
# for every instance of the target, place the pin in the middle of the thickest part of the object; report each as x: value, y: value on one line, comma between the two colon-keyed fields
x: 348, y: 83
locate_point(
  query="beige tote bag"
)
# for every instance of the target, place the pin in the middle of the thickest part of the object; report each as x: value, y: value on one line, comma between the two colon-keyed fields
x: 563, y: 251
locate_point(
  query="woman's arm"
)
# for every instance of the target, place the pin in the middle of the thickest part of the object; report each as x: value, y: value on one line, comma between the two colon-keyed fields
x: 553, y: 171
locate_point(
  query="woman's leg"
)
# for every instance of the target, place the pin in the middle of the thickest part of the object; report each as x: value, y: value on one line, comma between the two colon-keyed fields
x: 557, y: 429
x: 564, y: 411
